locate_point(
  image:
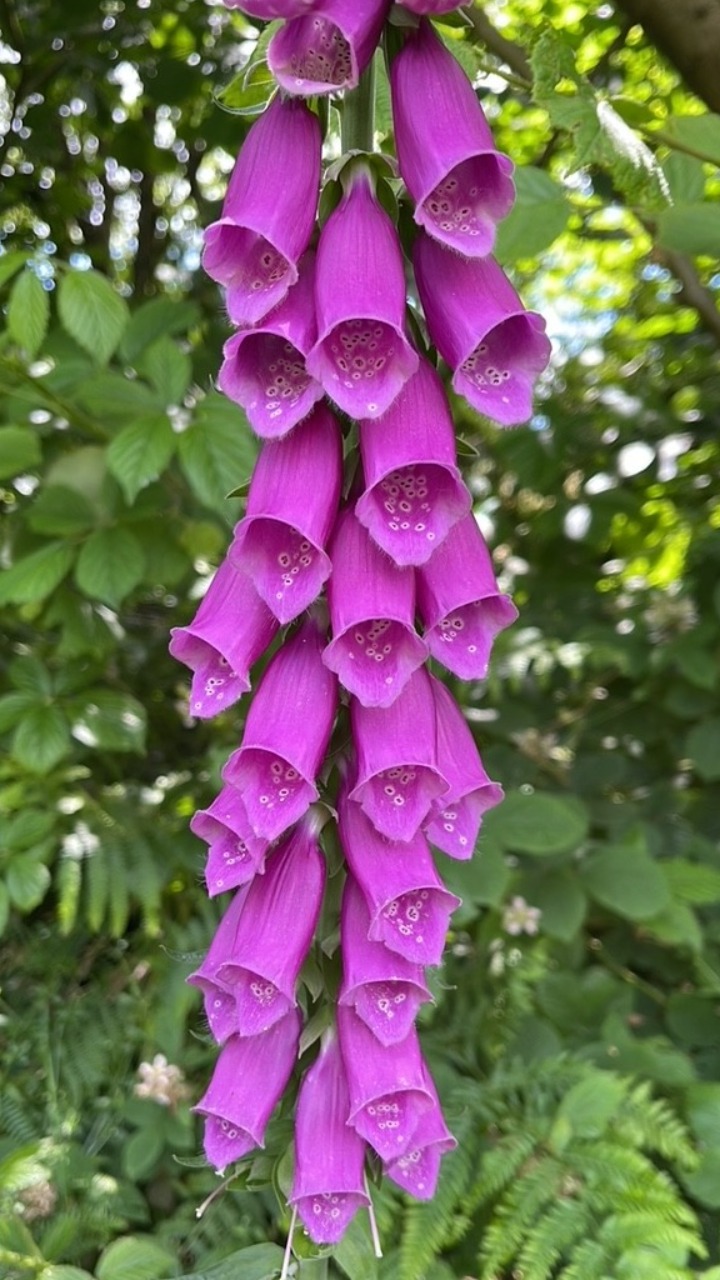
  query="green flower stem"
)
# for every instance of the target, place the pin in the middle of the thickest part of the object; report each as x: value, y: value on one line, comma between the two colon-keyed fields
x: 358, y: 114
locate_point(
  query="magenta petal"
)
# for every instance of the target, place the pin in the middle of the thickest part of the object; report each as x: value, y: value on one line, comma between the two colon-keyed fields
x: 385, y: 989
x: 280, y: 543
x: 456, y: 819
x: 375, y: 647
x: 397, y: 772
x: 264, y: 368
x: 417, y: 1170
x: 409, y: 906
x: 247, y: 1083
x: 274, y: 932
x: 495, y: 347
x: 362, y: 357
x: 387, y: 1085
x: 460, y: 182
x: 287, y: 731
x: 328, y: 1185
x: 328, y: 50
x: 459, y: 602
x: 219, y: 1003
x: 414, y: 491
x: 266, y: 225
x: 235, y: 852
x: 230, y: 631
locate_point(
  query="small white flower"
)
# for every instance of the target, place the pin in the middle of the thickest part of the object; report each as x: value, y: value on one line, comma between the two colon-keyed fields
x: 160, y: 1081
x: 519, y: 918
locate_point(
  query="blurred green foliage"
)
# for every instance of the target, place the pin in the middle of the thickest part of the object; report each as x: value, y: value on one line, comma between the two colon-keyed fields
x: 578, y: 1053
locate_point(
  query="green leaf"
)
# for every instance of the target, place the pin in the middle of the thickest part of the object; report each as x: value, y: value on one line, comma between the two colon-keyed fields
x: 111, y: 395
x: 13, y: 707
x: 168, y: 368
x: 248, y: 94
x: 134, y: 1258
x: 27, y: 882
x: 704, y: 1182
x: 62, y: 511
x: 354, y: 1254
x: 540, y: 824
x: 27, y: 828
x: 37, y: 575
x: 259, y: 1262
x: 693, y: 1019
x: 538, y: 217
x: 68, y: 882
x: 676, y: 926
x: 92, y: 312
x: 62, y: 1271
x: 10, y: 264
x: 627, y: 881
x: 141, y: 1154
x: 19, y: 450
x: 700, y: 132
x: 692, y: 881
x: 41, y: 739
x: 703, y: 1112
x: 482, y: 879
x: 590, y: 1104
x: 141, y: 451
x: 4, y: 907
x: 155, y: 319
x: 111, y: 721
x: 28, y: 312
x: 561, y: 900
x: 217, y: 451
x: 110, y: 565
x: 702, y: 746
x: 690, y: 228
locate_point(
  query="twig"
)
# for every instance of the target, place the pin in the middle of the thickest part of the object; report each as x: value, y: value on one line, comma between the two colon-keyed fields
x: 505, y: 49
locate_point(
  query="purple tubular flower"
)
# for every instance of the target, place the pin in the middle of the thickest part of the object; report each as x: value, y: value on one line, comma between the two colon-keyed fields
x: 375, y: 647
x: 397, y: 775
x: 460, y: 182
x: 494, y: 346
x: 328, y: 1185
x: 219, y: 1002
x: 385, y: 988
x: 459, y: 603
x: 235, y: 853
x: 287, y: 731
x: 409, y: 906
x: 387, y: 1084
x: 418, y: 1169
x: 269, y: 212
x: 457, y: 818
x: 328, y: 50
x: 362, y: 356
x: 264, y: 368
x: 248, y: 1081
x: 414, y: 491
x: 230, y: 631
x: 292, y: 505
x: 274, y: 932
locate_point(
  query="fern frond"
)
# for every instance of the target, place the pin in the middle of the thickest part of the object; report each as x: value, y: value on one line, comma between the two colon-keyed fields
x: 498, y: 1167
x: 589, y: 1262
x: 553, y: 1238
x: 517, y: 1212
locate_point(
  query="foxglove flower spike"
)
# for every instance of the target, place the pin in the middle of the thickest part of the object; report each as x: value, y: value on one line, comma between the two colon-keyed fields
x: 418, y: 1169
x: 235, y: 852
x: 387, y: 1085
x: 328, y: 50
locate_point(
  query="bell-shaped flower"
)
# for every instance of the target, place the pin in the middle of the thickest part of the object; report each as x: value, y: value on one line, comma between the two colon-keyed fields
x: 417, y: 1171
x: 328, y: 1184
x: 235, y: 852
x: 248, y: 1081
x: 397, y: 777
x: 269, y: 211
x: 459, y: 602
x: 329, y: 49
x: 384, y: 988
x: 274, y: 932
x: 291, y: 509
x: 409, y: 906
x: 362, y: 356
x: 456, y: 819
x: 230, y: 631
x: 375, y: 647
x: 287, y: 731
x: 495, y: 347
x: 387, y: 1085
x: 414, y: 491
x: 264, y: 368
x: 460, y: 182
x: 218, y: 1000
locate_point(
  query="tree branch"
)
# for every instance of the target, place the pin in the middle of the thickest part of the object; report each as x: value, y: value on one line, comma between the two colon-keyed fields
x: 509, y: 52
x: 692, y: 291
x: 687, y: 32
